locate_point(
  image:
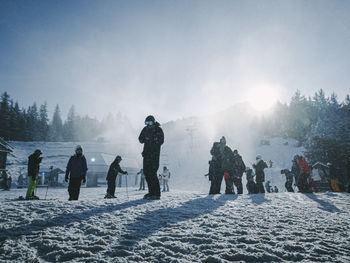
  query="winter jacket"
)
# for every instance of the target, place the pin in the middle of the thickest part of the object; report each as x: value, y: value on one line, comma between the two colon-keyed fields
x: 166, y: 175
x: 214, y: 169
x: 227, y: 160
x: 152, y: 137
x: 76, y: 167
x: 259, y: 171
x: 34, y: 164
x: 113, y: 171
x: 303, y: 166
x: 238, y: 165
x: 289, y: 177
x: 295, y: 169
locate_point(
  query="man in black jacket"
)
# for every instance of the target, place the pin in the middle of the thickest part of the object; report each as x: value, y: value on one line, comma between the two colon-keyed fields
x: 76, y: 172
x: 259, y: 167
x: 113, y: 171
x: 34, y: 161
x: 238, y: 170
x: 152, y: 137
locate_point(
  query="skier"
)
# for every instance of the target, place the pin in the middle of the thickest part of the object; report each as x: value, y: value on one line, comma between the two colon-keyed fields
x: 34, y: 161
x: 289, y: 179
x: 250, y: 181
x: 142, y: 181
x: 215, y: 171
x: 76, y: 172
x: 152, y: 137
x: 113, y: 171
x: 259, y: 167
x: 268, y: 187
x: 165, y: 177
x: 238, y: 170
x: 304, y: 175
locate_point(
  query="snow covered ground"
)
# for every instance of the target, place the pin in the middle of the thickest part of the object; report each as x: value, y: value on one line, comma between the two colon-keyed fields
x: 181, y: 227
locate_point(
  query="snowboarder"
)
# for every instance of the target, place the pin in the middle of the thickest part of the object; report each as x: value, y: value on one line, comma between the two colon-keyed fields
x: 152, y: 137
x: 259, y: 167
x: 289, y: 180
x: 215, y: 171
x: 76, y: 173
x: 304, y: 174
x: 238, y: 170
x: 165, y: 178
x: 142, y: 181
x: 250, y: 181
x: 268, y: 187
x: 34, y: 161
x: 113, y: 171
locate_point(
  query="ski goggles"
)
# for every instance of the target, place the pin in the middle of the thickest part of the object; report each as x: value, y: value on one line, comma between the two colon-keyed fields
x: 148, y: 123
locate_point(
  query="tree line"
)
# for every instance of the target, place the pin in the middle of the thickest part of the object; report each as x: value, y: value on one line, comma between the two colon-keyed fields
x: 320, y: 123
x: 33, y: 123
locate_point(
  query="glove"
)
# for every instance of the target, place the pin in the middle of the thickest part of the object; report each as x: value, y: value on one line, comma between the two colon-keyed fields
x: 66, y: 179
x: 126, y: 172
x: 84, y: 180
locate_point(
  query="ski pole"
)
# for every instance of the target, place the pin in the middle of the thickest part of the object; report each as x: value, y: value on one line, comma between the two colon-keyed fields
x: 126, y: 181
x: 49, y: 181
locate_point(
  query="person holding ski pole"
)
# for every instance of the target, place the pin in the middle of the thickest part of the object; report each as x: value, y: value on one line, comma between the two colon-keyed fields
x: 152, y: 137
x: 34, y: 161
x: 76, y: 173
x: 113, y: 171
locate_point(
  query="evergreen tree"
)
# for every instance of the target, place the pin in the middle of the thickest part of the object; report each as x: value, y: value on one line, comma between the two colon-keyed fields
x: 69, y: 127
x: 43, y: 123
x: 5, y: 116
x: 56, y: 127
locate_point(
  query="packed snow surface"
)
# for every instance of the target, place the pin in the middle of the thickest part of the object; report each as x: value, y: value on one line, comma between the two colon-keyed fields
x: 181, y: 227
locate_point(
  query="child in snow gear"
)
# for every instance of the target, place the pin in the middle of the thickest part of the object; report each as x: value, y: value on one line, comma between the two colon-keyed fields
x: 289, y: 180
x: 34, y: 161
x: 152, y: 137
x: 113, y: 171
x: 238, y: 170
x: 250, y: 181
x: 76, y: 172
x: 142, y: 181
x: 259, y: 167
x: 165, y: 178
x: 275, y: 189
x: 268, y: 187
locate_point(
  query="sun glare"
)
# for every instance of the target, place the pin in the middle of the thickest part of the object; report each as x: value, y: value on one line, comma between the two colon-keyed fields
x: 262, y: 98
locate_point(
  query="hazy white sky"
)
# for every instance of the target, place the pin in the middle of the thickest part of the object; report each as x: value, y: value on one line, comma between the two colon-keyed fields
x: 170, y: 58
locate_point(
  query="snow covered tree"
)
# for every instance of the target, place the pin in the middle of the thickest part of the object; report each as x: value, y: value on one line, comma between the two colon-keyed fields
x: 56, y: 127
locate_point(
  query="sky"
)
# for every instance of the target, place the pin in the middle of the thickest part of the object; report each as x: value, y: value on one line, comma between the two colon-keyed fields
x: 172, y: 59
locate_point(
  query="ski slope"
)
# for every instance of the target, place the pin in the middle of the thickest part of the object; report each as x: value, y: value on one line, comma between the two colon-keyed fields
x: 181, y: 227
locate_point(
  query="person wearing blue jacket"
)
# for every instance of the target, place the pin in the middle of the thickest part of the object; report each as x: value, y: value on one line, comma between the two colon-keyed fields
x: 76, y: 173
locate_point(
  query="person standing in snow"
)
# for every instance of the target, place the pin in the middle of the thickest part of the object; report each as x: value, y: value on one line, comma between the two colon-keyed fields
x: 268, y: 187
x: 259, y: 167
x: 250, y: 181
x: 113, y: 171
x: 295, y: 169
x: 238, y: 170
x: 142, y: 181
x: 34, y: 161
x: 152, y: 137
x: 76, y: 173
x: 275, y: 189
x: 165, y: 178
x: 289, y: 180
x: 215, y: 171
x: 226, y: 156
x: 304, y: 174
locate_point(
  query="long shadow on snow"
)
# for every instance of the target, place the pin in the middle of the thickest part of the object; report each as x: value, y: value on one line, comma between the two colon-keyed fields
x: 258, y: 199
x: 63, y: 219
x: 151, y: 221
x: 324, y: 205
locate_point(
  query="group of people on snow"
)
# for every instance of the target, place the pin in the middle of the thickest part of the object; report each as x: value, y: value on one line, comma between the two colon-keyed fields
x: 152, y: 137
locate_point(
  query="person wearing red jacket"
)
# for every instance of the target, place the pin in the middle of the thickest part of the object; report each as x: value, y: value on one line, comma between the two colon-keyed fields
x: 304, y: 168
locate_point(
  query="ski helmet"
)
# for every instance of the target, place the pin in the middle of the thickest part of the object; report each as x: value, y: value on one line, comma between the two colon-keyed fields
x: 118, y: 158
x: 258, y: 157
x: 38, y: 152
